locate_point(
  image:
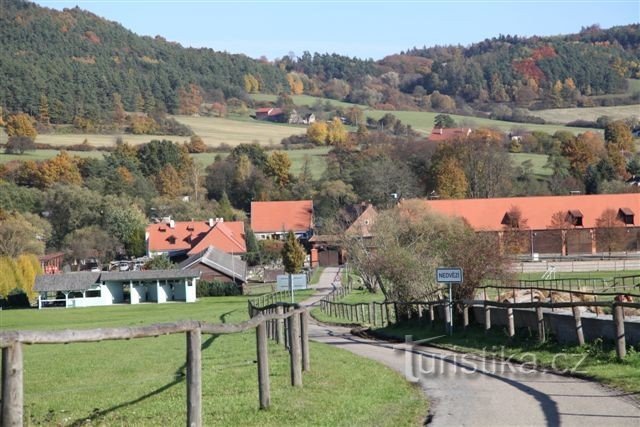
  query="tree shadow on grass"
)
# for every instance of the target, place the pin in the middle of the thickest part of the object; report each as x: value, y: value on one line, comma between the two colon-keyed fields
x: 180, y: 375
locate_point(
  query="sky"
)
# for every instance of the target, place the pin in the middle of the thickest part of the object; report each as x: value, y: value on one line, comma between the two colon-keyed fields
x: 361, y: 28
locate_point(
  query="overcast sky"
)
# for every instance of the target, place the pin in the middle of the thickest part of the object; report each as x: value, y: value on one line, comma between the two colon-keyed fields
x: 366, y: 29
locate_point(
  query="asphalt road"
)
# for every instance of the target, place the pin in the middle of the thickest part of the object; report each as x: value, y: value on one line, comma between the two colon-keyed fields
x: 471, y: 390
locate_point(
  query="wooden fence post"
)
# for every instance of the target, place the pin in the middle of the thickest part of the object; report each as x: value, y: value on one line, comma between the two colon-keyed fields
x: 420, y: 317
x: 487, y: 318
x: 304, y: 337
x: 12, y: 386
x: 194, y: 378
x: 386, y: 312
x: 621, y: 342
x: 263, y: 366
x: 511, y: 322
x: 540, y: 317
x: 372, y: 314
x: 362, y: 313
x: 287, y: 330
x: 395, y: 313
x: 294, y: 350
x: 279, y: 325
x: 579, y: 331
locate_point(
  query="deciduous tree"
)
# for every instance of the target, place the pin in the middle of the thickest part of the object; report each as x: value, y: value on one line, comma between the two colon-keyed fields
x: 293, y: 254
x: 21, y: 125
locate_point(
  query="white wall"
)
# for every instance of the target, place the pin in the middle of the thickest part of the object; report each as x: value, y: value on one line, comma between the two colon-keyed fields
x: 112, y: 293
x: 191, y: 290
x: 164, y: 292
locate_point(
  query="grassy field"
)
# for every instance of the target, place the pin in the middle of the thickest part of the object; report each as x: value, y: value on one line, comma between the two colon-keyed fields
x: 38, y: 155
x: 538, y: 160
x: 599, y: 357
x: 142, y: 382
x: 317, y: 157
x: 214, y: 131
x: 357, y: 296
x: 423, y: 121
x: 306, y: 100
x: 566, y: 115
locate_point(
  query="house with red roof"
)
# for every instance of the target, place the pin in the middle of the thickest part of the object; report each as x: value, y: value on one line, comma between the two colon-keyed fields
x: 269, y: 113
x: 566, y: 225
x: 181, y: 239
x: 445, y: 134
x: 273, y: 220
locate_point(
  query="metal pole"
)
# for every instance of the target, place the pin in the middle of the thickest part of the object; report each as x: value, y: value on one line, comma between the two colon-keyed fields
x: 450, y: 310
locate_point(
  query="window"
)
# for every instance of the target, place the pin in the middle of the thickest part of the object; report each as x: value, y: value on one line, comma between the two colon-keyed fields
x: 92, y: 293
x: 575, y: 218
x: 626, y: 216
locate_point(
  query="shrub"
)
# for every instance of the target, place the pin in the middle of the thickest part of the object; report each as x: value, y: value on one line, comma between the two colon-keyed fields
x: 217, y: 289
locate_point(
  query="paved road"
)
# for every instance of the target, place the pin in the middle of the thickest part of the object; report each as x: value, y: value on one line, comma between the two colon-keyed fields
x: 468, y: 390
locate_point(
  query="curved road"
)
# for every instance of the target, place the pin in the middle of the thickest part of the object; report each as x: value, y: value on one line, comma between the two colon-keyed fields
x: 471, y: 390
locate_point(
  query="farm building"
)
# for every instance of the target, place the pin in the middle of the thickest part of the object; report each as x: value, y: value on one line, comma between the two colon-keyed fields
x: 565, y: 225
x: 180, y: 240
x: 273, y: 220
x: 358, y: 220
x: 445, y: 134
x: 214, y: 264
x: 88, y: 289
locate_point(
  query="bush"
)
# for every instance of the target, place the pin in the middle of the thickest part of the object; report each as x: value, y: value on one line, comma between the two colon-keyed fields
x: 217, y: 289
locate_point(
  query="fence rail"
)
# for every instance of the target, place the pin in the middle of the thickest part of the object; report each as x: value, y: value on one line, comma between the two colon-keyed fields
x: 393, y: 312
x: 12, y: 342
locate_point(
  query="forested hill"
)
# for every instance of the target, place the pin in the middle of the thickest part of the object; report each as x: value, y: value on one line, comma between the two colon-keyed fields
x: 76, y: 58
x: 525, y: 69
x: 74, y: 64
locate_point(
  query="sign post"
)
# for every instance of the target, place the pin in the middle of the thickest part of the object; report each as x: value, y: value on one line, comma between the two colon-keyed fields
x: 450, y: 276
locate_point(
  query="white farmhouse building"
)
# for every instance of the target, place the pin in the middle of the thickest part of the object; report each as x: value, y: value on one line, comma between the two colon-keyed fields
x: 85, y: 289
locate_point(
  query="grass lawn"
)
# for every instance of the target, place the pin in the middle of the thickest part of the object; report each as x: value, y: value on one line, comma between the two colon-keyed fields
x: 142, y: 382
x: 357, y: 296
x: 566, y: 115
x: 538, y: 160
x: 315, y: 276
x: 600, y: 362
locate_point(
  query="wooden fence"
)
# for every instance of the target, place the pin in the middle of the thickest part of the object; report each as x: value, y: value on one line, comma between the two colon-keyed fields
x: 427, y: 312
x: 262, y: 319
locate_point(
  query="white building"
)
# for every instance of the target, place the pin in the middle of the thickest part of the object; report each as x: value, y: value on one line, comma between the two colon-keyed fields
x: 85, y: 289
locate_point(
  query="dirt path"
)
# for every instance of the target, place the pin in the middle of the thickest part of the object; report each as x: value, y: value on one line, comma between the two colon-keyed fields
x: 469, y: 390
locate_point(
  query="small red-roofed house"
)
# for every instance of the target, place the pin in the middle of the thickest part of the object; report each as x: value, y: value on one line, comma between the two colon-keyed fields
x: 273, y: 220
x: 446, y: 134
x: 181, y: 239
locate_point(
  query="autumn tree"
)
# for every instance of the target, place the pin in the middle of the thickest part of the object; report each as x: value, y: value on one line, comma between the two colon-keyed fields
x: 336, y: 133
x: 91, y: 242
x: 451, y: 182
x: 119, y: 114
x: 251, y: 84
x: 43, y: 110
x: 610, y: 231
x: 27, y: 268
x: 20, y: 236
x: 317, y: 133
x: 619, y: 133
x: 21, y: 125
x: 196, y: 145
x: 295, y: 83
x: 189, y: 99
x: 278, y: 166
x: 168, y: 181
x: 19, y: 144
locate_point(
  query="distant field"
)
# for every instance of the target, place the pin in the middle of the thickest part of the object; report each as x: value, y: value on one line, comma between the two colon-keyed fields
x: 566, y: 115
x: 214, y: 131
x: 634, y: 86
x: 38, y: 155
x: 317, y: 156
x: 422, y: 121
x: 538, y: 160
x: 307, y: 100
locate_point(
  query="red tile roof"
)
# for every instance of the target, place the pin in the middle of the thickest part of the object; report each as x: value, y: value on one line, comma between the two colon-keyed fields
x: 195, y: 236
x: 444, y: 134
x: 488, y: 214
x: 274, y: 217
